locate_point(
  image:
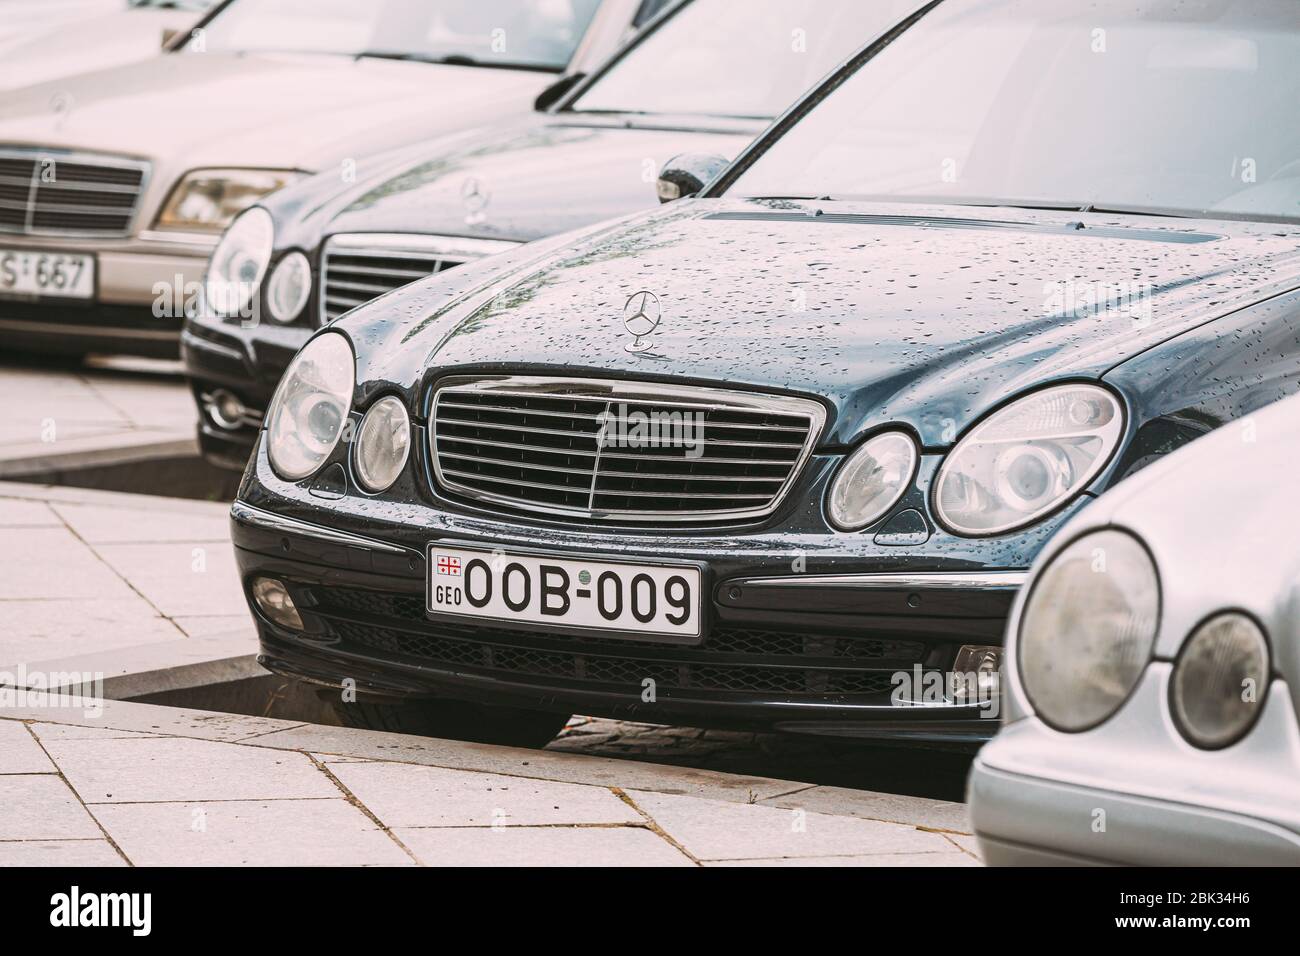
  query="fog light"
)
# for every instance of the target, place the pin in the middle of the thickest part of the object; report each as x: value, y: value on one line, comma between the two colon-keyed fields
x: 976, y: 673
x: 226, y: 410
x: 274, y: 601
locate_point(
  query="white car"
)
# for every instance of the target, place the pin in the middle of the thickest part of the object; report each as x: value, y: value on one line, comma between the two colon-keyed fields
x: 106, y: 33
x: 115, y: 184
x: 1151, y: 706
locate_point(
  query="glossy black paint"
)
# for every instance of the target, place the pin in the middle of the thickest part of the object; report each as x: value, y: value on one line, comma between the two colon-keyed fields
x: 925, y: 319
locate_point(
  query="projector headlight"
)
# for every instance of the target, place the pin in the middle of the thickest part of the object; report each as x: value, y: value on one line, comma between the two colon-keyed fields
x: 1219, y: 681
x: 1087, y: 629
x: 1028, y: 459
x: 208, y: 199
x: 871, y: 481
x: 238, y: 263
x: 288, y: 287
x: 383, y: 442
x: 311, y: 406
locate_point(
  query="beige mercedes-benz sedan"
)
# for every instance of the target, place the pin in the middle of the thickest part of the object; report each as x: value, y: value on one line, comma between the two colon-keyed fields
x: 115, y: 184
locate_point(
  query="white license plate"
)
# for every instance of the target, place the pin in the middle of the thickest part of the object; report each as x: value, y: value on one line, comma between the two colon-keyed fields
x: 46, y: 274
x: 649, y: 599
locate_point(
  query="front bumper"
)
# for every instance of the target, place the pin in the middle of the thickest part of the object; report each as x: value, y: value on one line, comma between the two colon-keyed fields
x: 1133, y: 792
x: 141, y: 288
x: 805, y: 636
x: 245, y: 362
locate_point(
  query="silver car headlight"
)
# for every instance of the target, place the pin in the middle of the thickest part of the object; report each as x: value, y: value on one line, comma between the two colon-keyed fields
x: 288, y: 288
x: 382, y: 445
x: 1219, y: 680
x: 1028, y: 459
x: 209, y: 199
x: 1087, y: 629
x: 238, y: 263
x: 871, y: 481
x: 311, y: 406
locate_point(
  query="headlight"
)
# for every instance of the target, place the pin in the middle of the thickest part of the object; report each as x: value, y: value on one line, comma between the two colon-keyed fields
x: 238, y: 263
x: 1028, y: 459
x: 288, y: 287
x: 871, y: 481
x: 1219, y: 680
x: 1087, y: 630
x: 208, y: 199
x: 383, y: 442
x: 311, y: 406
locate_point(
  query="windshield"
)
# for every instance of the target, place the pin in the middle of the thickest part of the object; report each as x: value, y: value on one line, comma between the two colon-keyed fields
x: 540, y: 34
x: 747, y: 58
x: 1187, y: 107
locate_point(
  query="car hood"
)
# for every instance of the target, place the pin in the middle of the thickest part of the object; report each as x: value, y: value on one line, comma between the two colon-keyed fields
x: 271, y: 110
x: 534, y: 178
x: 92, y: 44
x: 925, y: 316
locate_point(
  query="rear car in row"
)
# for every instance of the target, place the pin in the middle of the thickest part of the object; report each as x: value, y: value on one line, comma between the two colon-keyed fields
x: 115, y: 184
x: 322, y: 247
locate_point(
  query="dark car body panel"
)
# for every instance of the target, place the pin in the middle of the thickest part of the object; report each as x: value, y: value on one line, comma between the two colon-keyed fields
x: 921, y: 318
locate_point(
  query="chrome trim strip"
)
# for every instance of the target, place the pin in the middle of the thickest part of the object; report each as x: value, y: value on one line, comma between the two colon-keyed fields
x: 266, y: 520
x: 397, y: 245
x: 378, y: 243
x: 35, y: 154
x: 611, y: 390
x: 905, y: 580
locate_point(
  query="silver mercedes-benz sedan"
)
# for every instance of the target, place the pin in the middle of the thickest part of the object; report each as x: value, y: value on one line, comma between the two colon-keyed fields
x: 1151, y: 710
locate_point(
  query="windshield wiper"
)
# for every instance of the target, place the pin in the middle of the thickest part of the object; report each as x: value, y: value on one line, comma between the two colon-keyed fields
x: 452, y: 59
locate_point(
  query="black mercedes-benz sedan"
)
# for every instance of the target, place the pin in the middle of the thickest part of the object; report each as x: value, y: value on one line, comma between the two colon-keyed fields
x: 780, y: 454
x: 703, y: 79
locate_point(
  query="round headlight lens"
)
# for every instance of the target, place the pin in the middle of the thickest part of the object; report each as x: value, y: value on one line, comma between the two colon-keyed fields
x: 238, y: 263
x: 1028, y: 459
x: 1219, y: 680
x: 383, y: 442
x: 288, y: 287
x: 871, y: 481
x: 311, y: 406
x: 1087, y: 629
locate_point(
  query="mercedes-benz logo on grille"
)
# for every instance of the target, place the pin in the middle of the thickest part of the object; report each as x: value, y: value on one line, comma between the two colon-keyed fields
x: 641, y: 316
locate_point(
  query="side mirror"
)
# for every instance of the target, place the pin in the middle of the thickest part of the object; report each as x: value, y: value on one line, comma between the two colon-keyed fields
x: 556, y: 91
x: 687, y: 174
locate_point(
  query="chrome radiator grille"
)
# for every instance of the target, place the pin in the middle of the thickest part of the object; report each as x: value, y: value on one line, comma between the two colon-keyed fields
x: 619, y: 450
x: 358, y: 267
x: 68, y: 194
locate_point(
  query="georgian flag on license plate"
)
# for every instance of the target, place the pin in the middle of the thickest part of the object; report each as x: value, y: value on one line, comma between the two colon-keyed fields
x: 448, y: 565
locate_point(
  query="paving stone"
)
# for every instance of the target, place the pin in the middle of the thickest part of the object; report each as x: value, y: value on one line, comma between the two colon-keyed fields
x: 176, y: 769
x: 541, y: 846
x: 715, y: 830
x: 56, y: 732
x: 249, y: 833
x: 184, y: 579
x: 47, y: 630
x: 66, y: 569
x: 217, y: 624
x: 541, y: 764
x: 96, y: 853
x: 41, y: 807
x: 15, y: 513
x: 897, y: 808
x: 875, y: 859
x: 104, y: 524
x: 967, y: 843
x: 19, y: 753
x: 403, y: 795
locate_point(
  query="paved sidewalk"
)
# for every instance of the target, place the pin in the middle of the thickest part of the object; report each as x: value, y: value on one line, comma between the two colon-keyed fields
x: 87, y: 572
x: 154, y: 786
x: 106, y: 413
